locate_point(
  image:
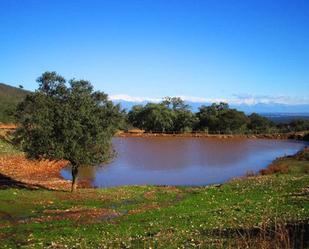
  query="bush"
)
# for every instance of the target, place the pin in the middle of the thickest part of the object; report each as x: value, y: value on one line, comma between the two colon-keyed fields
x: 275, y: 169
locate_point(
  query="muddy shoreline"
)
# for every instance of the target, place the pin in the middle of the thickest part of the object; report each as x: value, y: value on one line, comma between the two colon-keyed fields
x: 291, y: 135
x: 294, y: 135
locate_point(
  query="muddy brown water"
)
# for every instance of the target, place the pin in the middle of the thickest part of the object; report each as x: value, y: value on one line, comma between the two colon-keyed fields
x: 184, y: 161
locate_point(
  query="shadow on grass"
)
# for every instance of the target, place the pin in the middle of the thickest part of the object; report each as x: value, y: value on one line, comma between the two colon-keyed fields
x: 7, y: 182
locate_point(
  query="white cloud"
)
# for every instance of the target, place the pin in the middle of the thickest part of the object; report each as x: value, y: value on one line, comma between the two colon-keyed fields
x: 129, y: 98
x: 236, y: 99
x: 200, y: 99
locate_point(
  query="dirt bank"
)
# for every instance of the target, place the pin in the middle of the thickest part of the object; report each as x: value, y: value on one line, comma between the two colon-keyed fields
x: 16, y: 170
x: 8, y: 126
x: 297, y: 135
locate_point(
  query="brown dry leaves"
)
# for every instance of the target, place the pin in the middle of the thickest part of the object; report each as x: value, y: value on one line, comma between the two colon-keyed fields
x: 8, y: 126
x: 43, y: 173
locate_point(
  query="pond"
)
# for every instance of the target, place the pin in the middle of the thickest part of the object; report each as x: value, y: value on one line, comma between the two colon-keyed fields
x: 184, y: 161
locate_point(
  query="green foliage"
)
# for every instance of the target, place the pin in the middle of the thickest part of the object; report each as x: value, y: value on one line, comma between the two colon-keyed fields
x: 136, y: 116
x: 295, y: 125
x: 154, y: 117
x: 73, y: 123
x: 7, y: 148
x: 173, y: 115
x: 219, y: 118
x: 175, y: 103
x: 233, y: 121
x: 259, y: 124
x: 168, y: 116
x: 9, y: 98
x: 184, y: 120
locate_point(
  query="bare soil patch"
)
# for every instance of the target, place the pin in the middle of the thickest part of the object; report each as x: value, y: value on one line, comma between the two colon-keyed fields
x: 8, y: 126
x: 18, y: 171
x: 78, y: 215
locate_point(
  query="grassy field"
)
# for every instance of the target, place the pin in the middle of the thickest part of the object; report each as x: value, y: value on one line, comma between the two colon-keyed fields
x: 269, y: 211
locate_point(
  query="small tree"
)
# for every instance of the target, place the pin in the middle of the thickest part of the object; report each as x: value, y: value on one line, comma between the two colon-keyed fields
x: 220, y: 118
x: 136, y: 116
x: 260, y: 124
x: 175, y: 103
x: 73, y: 123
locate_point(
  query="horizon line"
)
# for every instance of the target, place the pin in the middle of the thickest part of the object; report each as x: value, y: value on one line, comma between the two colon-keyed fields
x: 237, y: 99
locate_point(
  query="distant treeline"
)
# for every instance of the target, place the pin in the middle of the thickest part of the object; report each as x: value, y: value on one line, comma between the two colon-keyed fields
x: 285, y: 118
x: 173, y: 115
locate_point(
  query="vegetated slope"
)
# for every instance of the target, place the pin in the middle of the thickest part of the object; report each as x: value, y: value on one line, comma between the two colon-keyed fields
x: 9, y: 97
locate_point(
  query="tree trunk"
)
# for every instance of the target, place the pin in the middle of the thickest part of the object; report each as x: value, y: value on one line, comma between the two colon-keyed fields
x: 74, y: 177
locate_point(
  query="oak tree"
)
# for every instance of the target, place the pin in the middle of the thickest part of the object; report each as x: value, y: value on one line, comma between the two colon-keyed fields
x: 74, y: 123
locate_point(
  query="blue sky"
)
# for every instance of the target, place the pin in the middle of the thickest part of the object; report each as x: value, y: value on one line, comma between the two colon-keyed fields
x: 237, y: 50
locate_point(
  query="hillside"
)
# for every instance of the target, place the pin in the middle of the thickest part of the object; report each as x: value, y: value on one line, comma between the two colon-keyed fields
x: 9, y: 97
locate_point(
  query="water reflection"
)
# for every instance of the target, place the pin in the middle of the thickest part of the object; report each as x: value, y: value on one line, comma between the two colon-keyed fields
x: 184, y: 161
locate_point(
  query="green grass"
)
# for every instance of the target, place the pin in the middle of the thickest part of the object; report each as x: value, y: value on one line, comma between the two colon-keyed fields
x: 168, y: 218
x: 7, y: 148
x: 153, y: 217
